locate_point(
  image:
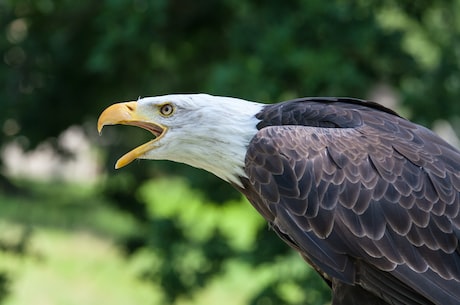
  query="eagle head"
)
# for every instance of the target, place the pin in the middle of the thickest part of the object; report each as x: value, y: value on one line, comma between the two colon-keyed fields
x: 204, y: 131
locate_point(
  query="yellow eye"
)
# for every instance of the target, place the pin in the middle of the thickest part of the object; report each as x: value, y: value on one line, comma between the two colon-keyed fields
x: 166, y: 109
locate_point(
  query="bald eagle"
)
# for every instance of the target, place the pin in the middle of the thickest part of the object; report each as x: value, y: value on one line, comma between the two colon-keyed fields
x: 369, y: 199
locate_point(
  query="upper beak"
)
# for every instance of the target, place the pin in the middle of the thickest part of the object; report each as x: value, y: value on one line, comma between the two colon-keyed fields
x: 128, y: 114
x: 120, y: 113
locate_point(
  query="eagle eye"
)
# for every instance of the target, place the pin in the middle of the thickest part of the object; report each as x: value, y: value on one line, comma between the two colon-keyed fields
x: 166, y: 109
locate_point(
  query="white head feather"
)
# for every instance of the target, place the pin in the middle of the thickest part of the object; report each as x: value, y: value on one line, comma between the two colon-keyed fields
x: 204, y: 131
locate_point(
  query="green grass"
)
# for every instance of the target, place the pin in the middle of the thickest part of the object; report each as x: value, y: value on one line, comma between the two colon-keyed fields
x: 73, y: 268
x: 59, y: 247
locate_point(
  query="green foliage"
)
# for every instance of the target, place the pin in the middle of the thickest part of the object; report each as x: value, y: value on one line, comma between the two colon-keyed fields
x: 67, y: 207
x: 172, y: 198
x: 64, y: 61
x: 193, y: 240
x: 431, y: 35
x: 4, y: 286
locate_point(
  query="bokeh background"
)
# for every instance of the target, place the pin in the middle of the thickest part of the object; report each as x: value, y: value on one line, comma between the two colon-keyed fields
x: 75, y: 231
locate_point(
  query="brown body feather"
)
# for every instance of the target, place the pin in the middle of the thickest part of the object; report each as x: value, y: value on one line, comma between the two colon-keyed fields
x: 368, y: 198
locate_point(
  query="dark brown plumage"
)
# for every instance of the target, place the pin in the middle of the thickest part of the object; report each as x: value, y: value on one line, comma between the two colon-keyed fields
x: 370, y: 199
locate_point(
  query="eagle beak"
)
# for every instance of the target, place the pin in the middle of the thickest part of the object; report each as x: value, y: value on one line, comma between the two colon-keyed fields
x: 128, y: 114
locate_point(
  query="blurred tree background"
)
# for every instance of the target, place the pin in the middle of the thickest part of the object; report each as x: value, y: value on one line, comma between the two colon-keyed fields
x: 157, y: 232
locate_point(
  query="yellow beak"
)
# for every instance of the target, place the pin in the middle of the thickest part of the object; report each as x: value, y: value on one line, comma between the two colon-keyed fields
x: 127, y: 114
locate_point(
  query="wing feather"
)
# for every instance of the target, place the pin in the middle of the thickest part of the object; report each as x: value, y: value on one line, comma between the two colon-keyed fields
x: 366, y: 195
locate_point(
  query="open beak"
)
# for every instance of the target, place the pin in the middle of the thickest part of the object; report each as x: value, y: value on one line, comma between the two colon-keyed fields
x: 127, y: 114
